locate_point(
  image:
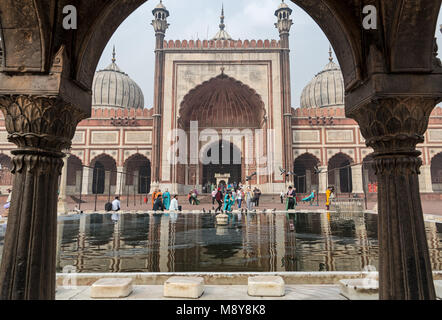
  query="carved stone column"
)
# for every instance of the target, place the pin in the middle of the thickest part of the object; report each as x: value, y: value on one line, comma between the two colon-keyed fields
x: 41, y: 127
x: 393, y: 127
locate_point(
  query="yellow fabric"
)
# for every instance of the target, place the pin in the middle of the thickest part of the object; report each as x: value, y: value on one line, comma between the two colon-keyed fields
x: 327, y: 194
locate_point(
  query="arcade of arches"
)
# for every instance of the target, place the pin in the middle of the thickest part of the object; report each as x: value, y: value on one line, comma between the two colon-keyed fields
x: 391, y: 77
x: 106, y: 178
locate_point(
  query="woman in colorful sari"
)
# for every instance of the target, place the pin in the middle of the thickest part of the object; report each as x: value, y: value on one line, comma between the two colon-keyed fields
x: 166, y: 199
x: 228, y: 202
x: 154, y: 196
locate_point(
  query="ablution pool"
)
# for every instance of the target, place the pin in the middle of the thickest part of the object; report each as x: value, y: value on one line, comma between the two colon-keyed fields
x: 191, y: 242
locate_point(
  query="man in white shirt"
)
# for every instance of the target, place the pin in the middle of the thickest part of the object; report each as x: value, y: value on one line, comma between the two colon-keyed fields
x: 174, y: 204
x: 116, y: 204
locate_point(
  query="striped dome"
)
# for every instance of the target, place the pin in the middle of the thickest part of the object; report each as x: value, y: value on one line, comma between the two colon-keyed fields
x: 112, y: 88
x: 326, y: 89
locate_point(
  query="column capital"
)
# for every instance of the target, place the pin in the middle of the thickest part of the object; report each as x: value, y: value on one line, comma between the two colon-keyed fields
x: 394, y: 125
x: 42, y: 127
x: 37, y: 123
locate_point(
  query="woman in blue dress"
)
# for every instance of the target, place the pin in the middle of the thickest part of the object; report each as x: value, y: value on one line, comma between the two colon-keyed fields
x: 166, y: 199
x: 228, y: 202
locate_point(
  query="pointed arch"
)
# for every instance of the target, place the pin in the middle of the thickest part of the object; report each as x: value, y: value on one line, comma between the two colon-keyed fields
x: 223, y: 102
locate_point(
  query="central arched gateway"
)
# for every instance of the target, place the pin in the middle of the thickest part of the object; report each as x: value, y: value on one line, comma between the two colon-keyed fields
x: 225, y: 114
x: 230, y: 164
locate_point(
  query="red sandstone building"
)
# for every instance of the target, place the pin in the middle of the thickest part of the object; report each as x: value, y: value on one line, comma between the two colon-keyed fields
x: 223, y: 85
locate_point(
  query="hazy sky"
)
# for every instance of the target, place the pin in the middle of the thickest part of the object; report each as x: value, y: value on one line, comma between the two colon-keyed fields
x: 245, y: 19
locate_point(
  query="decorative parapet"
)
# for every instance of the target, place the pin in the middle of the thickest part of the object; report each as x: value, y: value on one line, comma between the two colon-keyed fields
x: 124, y: 113
x: 221, y: 44
x: 318, y: 112
x: 339, y: 112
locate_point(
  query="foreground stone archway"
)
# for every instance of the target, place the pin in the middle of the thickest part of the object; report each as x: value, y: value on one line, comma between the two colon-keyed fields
x: 393, y: 80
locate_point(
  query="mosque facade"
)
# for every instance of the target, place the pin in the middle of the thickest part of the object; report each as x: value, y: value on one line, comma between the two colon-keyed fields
x: 222, y: 110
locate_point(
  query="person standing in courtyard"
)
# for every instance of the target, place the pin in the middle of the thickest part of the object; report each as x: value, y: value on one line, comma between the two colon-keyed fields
x: 256, y: 196
x: 214, y: 196
x: 174, y: 204
x: 7, y: 204
x: 116, y: 205
x: 174, y: 208
x: 158, y: 205
x: 166, y: 199
x: 239, y: 195
x: 154, y: 196
x: 291, y: 198
x: 228, y: 202
x: 219, y: 200
x: 281, y: 195
x: 249, y: 198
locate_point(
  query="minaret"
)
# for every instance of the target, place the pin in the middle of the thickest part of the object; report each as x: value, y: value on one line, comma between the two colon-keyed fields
x: 160, y: 26
x: 283, y: 25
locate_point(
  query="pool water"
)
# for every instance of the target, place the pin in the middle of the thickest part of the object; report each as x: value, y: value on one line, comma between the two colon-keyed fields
x: 254, y: 242
x: 250, y: 243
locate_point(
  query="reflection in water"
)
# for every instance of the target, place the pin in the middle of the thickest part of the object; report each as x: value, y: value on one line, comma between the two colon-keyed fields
x: 252, y: 242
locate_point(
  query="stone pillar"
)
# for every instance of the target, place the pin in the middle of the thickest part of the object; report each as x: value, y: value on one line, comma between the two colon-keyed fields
x: 337, y: 174
x: 120, y: 181
x: 62, y: 205
x: 356, y: 178
x: 87, y: 180
x: 135, y: 181
x: 392, y: 127
x: 41, y: 127
x: 425, y: 184
x: 78, y: 174
x: 107, y: 182
x: 308, y: 180
x: 322, y: 179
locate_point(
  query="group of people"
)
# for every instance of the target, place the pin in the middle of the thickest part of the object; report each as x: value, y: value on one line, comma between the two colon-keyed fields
x: 160, y: 202
x: 164, y: 201
x: 227, y: 198
x: 192, y: 196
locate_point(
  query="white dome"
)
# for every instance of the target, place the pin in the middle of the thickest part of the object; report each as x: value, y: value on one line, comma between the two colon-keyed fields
x: 112, y: 88
x: 325, y: 90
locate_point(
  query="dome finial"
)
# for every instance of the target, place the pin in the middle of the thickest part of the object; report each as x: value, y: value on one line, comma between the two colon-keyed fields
x: 330, y: 54
x: 222, y: 34
x: 113, y: 56
x: 222, y: 25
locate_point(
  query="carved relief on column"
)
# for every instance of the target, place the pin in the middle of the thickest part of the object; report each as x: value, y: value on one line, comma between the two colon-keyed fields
x: 41, y: 127
x: 393, y: 127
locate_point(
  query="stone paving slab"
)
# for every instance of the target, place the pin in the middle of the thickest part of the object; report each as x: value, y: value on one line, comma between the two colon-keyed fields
x: 220, y: 292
